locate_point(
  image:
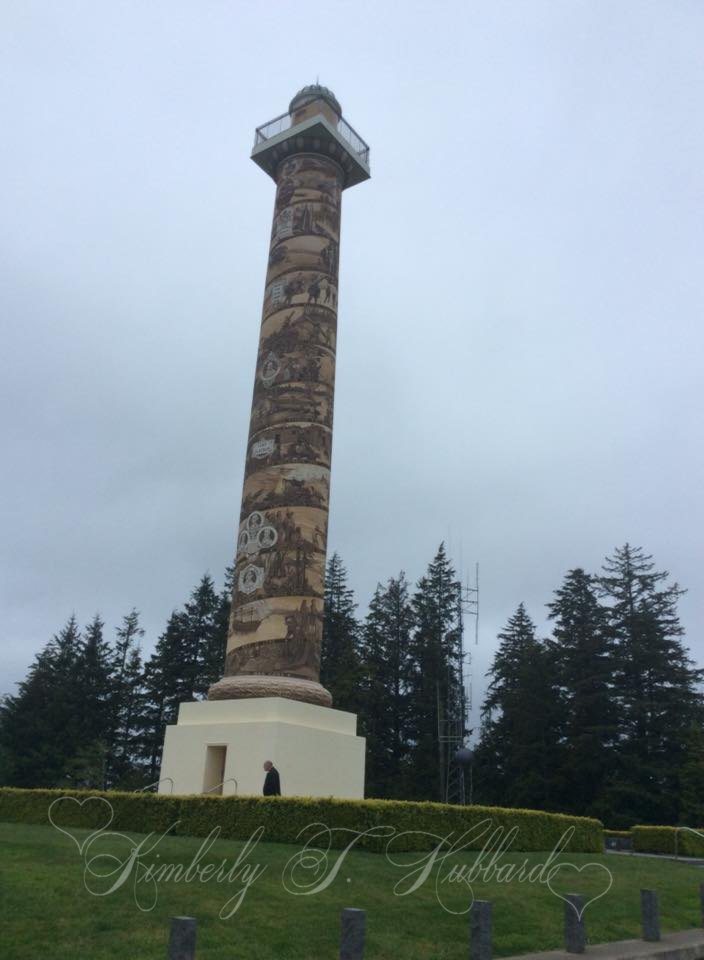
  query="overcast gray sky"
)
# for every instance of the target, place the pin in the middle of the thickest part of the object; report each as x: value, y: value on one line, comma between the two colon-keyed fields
x: 519, y: 360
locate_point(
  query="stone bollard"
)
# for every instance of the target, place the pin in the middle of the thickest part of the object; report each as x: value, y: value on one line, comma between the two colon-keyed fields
x: 574, y: 923
x: 650, y: 915
x: 352, y: 930
x: 480, y: 930
x: 182, y: 942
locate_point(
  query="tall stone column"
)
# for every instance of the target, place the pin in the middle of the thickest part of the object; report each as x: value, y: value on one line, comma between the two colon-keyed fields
x: 277, y: 606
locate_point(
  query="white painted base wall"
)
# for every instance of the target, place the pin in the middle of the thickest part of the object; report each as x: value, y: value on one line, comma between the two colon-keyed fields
x: 315, y: 749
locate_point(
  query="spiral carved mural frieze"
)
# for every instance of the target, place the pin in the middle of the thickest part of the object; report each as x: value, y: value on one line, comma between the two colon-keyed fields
x: 277, y: 610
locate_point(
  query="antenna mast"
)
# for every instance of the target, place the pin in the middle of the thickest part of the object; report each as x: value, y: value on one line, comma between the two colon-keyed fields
x: 452, y: 728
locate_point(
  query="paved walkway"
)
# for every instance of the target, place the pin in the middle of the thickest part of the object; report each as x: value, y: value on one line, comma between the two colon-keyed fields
x: 692, y: 861
x: 683, y: 945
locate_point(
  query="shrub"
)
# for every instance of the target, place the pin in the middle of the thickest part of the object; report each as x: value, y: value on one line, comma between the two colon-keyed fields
x: 150, y: 811
x: 682, y: 841
x: 417, y: 825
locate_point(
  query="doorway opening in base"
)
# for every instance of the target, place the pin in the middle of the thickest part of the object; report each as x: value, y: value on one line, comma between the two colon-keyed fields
x: 215, y: 757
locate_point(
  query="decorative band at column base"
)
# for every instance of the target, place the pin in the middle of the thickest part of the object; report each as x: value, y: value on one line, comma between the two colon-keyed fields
x: 290, y: 688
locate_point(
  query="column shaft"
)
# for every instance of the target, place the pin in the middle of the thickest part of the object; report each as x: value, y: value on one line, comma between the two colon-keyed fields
x: 277, y: 611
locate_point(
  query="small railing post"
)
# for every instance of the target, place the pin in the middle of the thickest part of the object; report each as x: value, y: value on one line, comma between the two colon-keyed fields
x: 650, y: 915
x: 575, y: 939
x: 352, y: 931
x: 480, y: 945
x: 182, y: 941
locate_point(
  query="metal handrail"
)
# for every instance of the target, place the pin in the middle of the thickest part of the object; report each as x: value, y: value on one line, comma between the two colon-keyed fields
x: 156, y: 784
x: 283, y: 122
x: 217, y: 785
x: 697, y: 833
x: 271, y: 128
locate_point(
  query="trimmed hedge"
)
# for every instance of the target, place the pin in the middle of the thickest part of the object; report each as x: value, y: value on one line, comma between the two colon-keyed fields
x: 619, y: 834
x: 283, y: 818
x: 675, y: 840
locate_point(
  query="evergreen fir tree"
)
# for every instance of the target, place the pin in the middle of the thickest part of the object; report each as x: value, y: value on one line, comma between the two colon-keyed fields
x: 691, y: 782
x: 204, y: 638
x: 126, y: 703
x: 6, y: 764
x: 583, y: 651
x: 163, y: 690
x: 435, y: 683
x: 189, y: 657
x: 86, y: 769
x: 386, y: 706
x: 340, y: 656
x: 93, y: 680
x: 518, y: 758
x: 42, y: 728
x: 655, y: 688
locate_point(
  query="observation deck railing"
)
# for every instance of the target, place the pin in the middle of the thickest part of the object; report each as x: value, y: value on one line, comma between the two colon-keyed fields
x: 348, y: 134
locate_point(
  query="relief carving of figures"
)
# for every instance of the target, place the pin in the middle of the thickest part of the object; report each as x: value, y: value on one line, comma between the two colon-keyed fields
x: 298, y: 657
x: 301, y: 363
x: 306, y: 219
x: 296, y: 572
x: 292, y: 402
x: 276, y: 620
x: 295, y: 485
x: 283, y: 332
x: 284, y: 194
x: 293, y: 288
x: 305, y: 253
x: 309, y: 445
x: 303, y: 219
x: 286, y: 573
x: 330, y: 188
x: 256, y: 535
x: 302, y: 638
x: 290, y: 444
x: 329, y: 258
x: 307, y: 183
x: 277, y: 255
x: 270, y: 368
x: 282, y: 227
x: 289, y: 167
x: 250, y: 578
x: 327, y: 222
x: 300, y: 288
x: 314, y: 290
x: 294, y: 565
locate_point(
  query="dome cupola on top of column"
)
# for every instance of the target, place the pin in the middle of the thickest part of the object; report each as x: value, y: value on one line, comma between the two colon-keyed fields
x: 315, y: 99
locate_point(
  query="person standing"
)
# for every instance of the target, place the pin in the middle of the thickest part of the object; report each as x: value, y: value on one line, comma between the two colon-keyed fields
x: 272, y: 783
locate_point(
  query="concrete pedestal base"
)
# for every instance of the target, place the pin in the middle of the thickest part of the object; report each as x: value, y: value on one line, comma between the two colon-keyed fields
x: 219, y: 746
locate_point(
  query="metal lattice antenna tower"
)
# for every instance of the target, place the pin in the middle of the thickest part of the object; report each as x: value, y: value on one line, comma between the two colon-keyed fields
x: 452, y: 730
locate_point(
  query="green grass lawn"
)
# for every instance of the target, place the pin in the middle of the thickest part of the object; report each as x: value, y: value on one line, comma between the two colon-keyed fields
x: 48, y: 911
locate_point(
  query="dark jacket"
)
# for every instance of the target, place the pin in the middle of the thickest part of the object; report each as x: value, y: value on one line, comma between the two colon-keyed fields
x: 272, y: 784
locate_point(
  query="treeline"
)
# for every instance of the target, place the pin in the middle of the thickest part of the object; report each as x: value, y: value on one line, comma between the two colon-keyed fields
x: 603, y: 717
x: 399, y: 670
x: 92, y: 712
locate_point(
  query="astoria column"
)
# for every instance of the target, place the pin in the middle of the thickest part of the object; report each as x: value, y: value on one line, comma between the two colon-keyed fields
x: 276, y: 622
